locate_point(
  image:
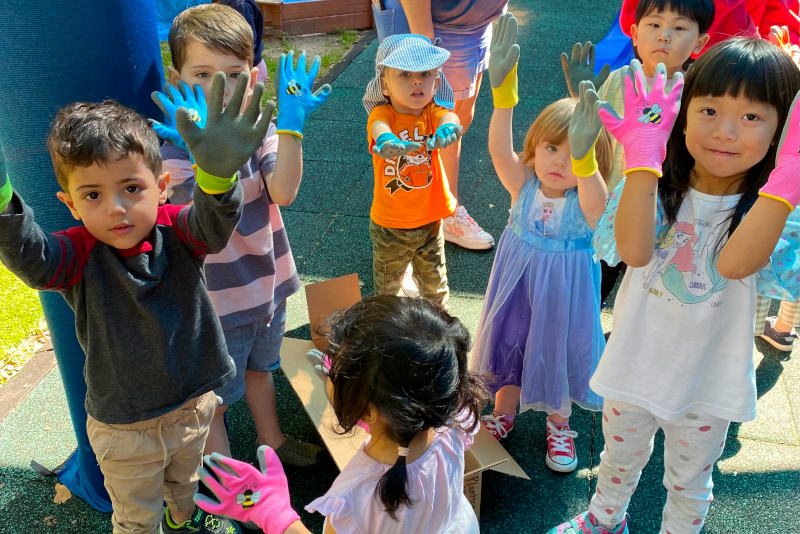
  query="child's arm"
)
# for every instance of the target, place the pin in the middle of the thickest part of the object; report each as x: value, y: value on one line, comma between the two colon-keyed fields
x: 229, y: 479
x: 754, y: 240
x: 504, y: 55
x: 580, y: 67
x: 418, y: 13
x: 645, y: 146
x: 584, y: 128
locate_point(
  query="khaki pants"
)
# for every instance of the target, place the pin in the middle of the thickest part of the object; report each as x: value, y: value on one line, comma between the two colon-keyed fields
x: 152, y: 461
x: 394, y: 248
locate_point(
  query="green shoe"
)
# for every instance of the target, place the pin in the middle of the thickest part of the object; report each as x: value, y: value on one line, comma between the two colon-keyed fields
x: 201, y: 522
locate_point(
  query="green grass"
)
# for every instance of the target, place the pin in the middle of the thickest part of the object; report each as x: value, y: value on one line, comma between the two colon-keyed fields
x: 19, y: 314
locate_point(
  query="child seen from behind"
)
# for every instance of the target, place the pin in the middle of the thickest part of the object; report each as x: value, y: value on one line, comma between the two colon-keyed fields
x: 699, y: 239
x: 400, y: 365
x: 539, y: 332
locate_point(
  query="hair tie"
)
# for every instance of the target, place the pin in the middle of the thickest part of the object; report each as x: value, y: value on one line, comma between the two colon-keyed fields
x: 402, y: 451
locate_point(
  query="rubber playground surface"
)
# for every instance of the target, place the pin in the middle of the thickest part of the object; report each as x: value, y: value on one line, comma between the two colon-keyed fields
x: 757, y: 480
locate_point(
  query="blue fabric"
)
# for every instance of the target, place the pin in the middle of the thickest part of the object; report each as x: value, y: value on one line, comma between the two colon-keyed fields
x: 540, y: 326
x: 779, y: 279
x: 615, y: 49
x: 252, y: 14
x: 167, y: 10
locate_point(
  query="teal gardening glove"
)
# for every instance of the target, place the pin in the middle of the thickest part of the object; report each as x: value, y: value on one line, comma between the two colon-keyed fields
x: 229, y: 137
x: 295, y: 99
x: 169, y: 101
x: 5, y: 190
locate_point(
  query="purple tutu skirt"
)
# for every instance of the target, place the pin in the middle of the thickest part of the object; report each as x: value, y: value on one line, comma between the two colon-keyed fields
x: 540, y: 325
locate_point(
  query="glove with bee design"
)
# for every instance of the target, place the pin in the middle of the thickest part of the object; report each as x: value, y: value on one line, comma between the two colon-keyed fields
x: 295, y: 99
x: 649, y: 117
x: 257, y: 497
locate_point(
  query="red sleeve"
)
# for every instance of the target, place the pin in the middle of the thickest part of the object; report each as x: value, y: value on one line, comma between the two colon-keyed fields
x: 70, y: 268
x: 175, y: 216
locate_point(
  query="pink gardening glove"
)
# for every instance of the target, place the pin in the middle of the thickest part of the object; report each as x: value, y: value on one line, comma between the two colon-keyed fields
x: 783, y: 183
x: 648, y: 120
x: 260, y: 498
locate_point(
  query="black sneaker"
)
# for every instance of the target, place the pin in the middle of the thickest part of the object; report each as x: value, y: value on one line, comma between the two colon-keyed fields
x: 201, y: 522
x: 780, y: 340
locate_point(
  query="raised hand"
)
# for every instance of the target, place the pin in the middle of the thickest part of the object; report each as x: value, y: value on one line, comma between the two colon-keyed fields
x: 229, y: 137
x: 783, y: 183
x: 445, y: 135
x: 584, y: 127
x: 169, y: 101
x: 503, y: 58
x: 779, y: 36
x: 295, y: 99
x: 259, y: 497
x: 389, y: 146
x: 320, y: 361
x: 649, y: 117
x: 580, y: 66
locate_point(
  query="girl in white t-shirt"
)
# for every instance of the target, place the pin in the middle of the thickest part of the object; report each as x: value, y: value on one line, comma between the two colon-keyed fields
x: 400, y: 366
x: 680, y: 356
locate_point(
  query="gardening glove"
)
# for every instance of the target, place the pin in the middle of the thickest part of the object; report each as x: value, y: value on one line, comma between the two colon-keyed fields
x: 321, y: 362
x: 580, y: 67
x: 389, y: 146
x: 295, y: 99
x: 257, y: 497
x: 5, y: 190
x: 229, y: 137
x: 169, y: 101
x: 648, y: 120
x: 445, y: 135
x: 783, y: 183
x: 779, y: 36
x: 503, y: 58
x: 584, y: 128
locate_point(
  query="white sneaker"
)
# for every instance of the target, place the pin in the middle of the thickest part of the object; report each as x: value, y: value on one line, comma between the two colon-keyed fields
x: 461, y: 229
x: 409, y: 286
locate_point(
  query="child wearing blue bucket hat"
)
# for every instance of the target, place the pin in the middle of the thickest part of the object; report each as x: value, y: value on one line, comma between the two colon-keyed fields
x: 410, y: 119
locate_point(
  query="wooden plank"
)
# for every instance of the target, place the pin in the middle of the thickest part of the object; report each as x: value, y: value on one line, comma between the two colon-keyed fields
x: 324, y: 8
x: 352, y: 21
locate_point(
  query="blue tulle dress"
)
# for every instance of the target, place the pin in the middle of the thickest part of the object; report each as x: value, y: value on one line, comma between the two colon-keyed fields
x: 540, y: 325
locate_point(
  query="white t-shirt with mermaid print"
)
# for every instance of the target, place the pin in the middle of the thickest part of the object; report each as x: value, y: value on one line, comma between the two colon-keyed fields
x: 682, y: 337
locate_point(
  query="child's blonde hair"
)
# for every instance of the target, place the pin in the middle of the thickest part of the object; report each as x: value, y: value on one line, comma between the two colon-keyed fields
x: 217, y: 26
x: 552, y: 125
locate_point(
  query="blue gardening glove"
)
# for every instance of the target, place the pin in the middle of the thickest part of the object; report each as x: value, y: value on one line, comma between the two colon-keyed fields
x: 230, y: 136
x: 5, y: 191
x: 169, y: 101
x: 445, y: 135
x: 295, y: 99
x: 389, y: 146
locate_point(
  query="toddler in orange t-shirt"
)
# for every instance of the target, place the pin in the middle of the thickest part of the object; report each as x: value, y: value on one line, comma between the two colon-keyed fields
x: 410, y: 119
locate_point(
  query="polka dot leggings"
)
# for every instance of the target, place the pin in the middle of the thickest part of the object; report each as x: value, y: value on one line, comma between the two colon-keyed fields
x: 692, y: 444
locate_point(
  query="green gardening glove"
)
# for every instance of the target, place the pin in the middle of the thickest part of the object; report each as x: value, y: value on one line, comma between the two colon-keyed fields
x: 581, y: 67
x: 584, y: 128
x: 503, y: 58
x: 229, y: 136
x: 5, y: 191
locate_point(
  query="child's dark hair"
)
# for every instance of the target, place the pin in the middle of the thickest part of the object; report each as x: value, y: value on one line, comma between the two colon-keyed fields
x: 700, y: 11
x: 408, y: 358
x: 85, y: 133
x: 752, y: 68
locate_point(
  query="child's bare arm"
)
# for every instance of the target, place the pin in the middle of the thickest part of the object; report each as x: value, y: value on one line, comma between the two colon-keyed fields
x: 507, y: 164
x: 584, y: 128
x: 635, y: 228
x: 284, y: 181
x: 418, y: 13
x: 754, y: 240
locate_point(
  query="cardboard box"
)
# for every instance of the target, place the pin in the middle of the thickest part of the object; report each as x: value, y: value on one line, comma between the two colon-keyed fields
x: 333, y: 295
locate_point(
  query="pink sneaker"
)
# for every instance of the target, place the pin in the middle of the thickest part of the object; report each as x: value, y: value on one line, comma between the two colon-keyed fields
x: 461, y: 229
x: 498, y: 425
x: 561, y: 455
x: 585, y: 524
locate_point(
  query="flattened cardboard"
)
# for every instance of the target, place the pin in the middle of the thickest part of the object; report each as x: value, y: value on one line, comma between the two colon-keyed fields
x: 324, y: 298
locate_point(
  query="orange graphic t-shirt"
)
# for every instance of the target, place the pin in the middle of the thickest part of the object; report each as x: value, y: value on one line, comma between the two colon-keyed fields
x: 411, y: 190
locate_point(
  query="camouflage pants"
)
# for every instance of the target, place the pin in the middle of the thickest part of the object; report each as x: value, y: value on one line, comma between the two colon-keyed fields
x: 394, y: 248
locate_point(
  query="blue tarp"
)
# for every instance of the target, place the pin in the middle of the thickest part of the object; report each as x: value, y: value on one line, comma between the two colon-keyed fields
x: 616, y: 49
